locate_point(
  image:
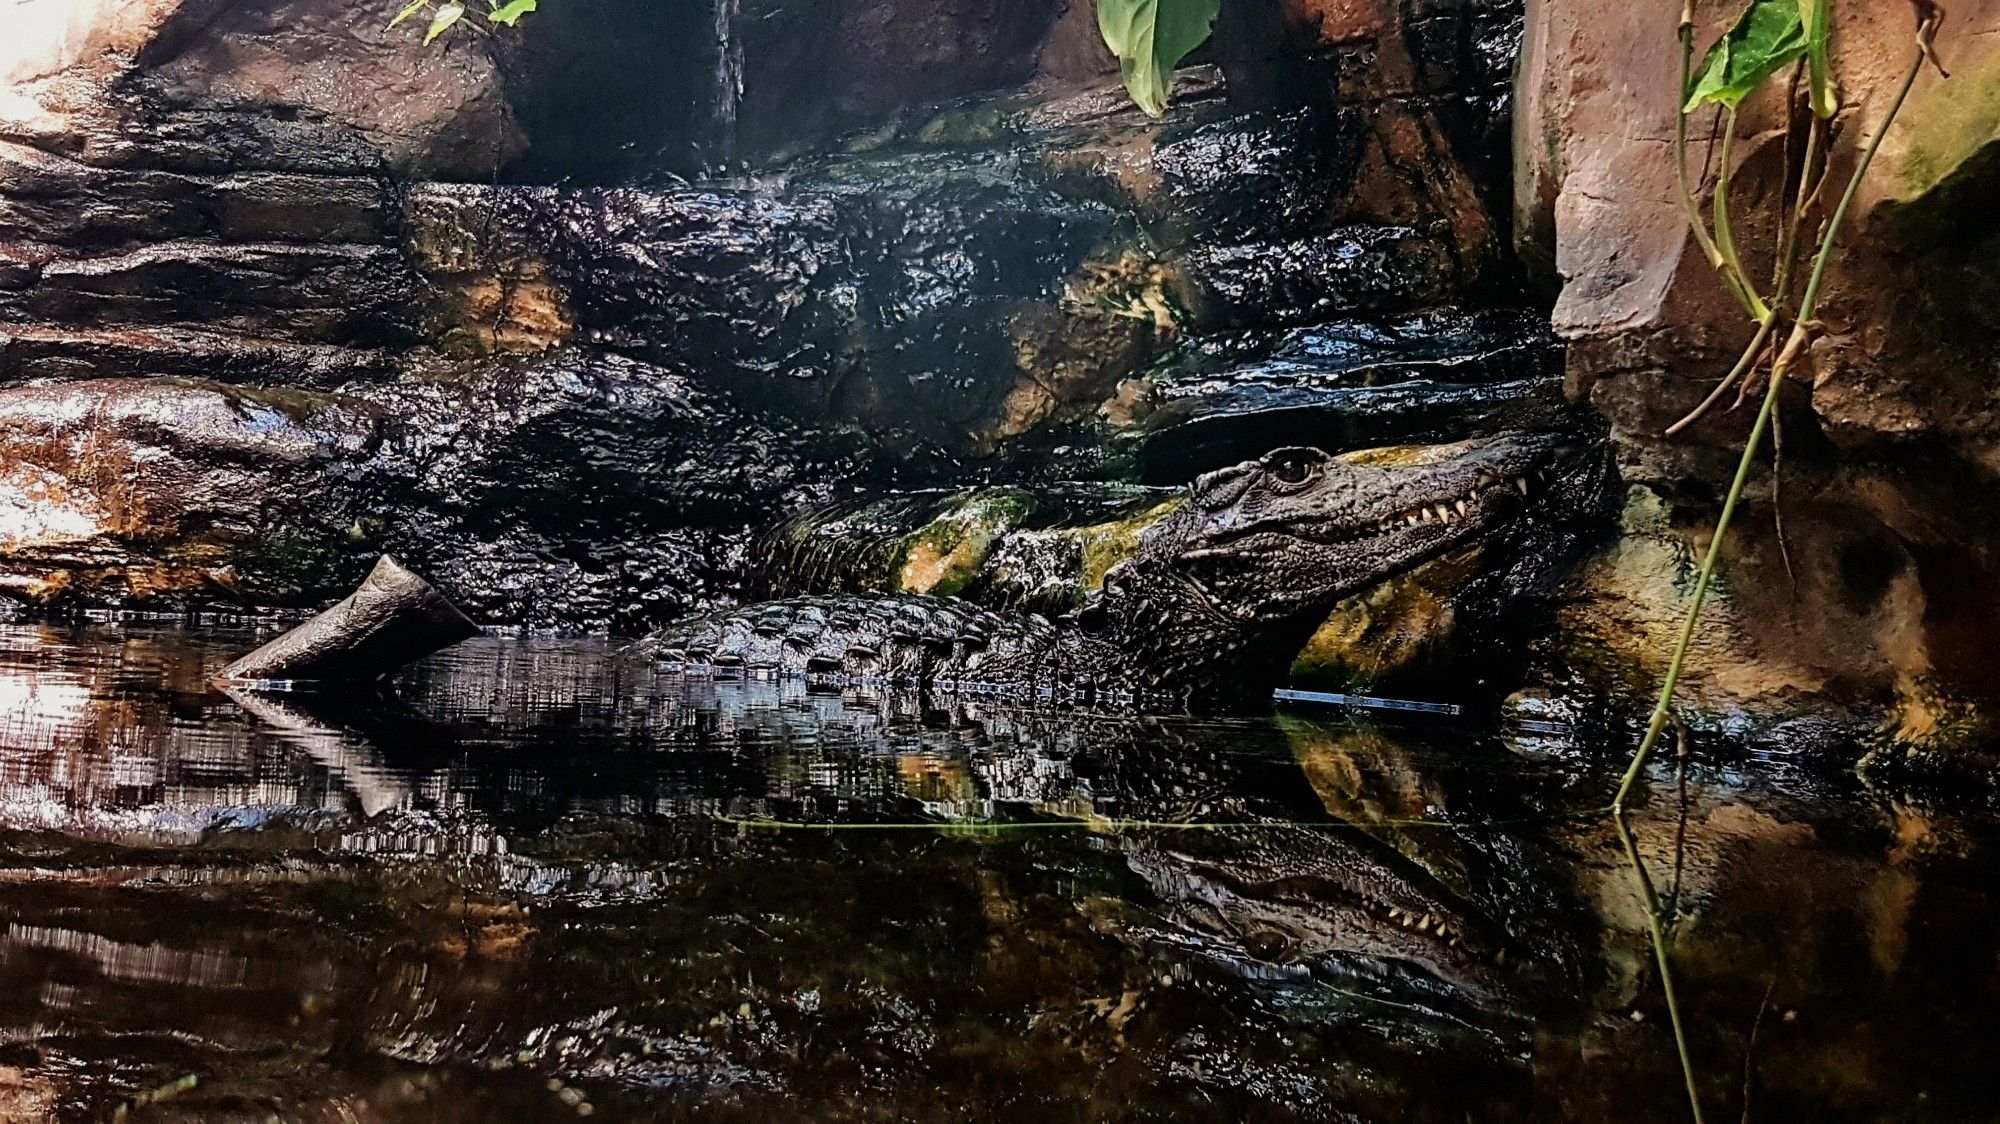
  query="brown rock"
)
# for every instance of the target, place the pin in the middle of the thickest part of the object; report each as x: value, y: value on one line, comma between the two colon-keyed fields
x: 176, y: 491
x: 1889, y: 430
x: 1075, y: 50
x: 1595, y: 197
x: 430, y: 110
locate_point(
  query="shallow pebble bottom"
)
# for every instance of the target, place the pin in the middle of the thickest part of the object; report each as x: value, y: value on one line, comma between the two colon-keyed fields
x: 532, y: 880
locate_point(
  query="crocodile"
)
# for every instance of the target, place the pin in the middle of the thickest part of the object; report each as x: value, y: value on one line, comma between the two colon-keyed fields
x: 1207, y: 613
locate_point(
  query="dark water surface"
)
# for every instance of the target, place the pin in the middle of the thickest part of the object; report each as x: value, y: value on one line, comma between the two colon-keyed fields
x: 536, y: 883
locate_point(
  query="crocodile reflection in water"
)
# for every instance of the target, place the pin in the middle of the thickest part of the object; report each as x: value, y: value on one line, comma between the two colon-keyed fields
x: 1275, y: 880
x: 606, y: 781
x: 855, y: 757
x: 1209, y: 612
x: 1397, y: 901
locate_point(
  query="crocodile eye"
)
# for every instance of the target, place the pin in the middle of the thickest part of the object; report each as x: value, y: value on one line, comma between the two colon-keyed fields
x: 1293, y: 468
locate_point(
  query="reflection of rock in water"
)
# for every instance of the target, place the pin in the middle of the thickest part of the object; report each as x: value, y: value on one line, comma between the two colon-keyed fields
x: 594, y: 920
x: 313, y: 724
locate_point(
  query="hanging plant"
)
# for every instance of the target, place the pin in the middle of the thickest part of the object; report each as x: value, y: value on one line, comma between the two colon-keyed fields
x: 1150, y: 38
x: 451, y: 13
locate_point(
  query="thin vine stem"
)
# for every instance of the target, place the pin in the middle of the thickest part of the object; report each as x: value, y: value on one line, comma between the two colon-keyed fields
x: 1725, y: 235
x: 1658, y: 934
x: 1688, y: 204
x: 1765, y: 327
x: 1794, y: 346
x: 1807, y: 197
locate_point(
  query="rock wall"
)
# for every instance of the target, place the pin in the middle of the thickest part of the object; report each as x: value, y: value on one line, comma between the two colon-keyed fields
x: 1862, y: 573
x: 279, y: 241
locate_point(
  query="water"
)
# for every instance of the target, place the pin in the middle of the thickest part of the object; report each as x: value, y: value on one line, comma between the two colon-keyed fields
x: 728, y: 80
x: 535, y: 882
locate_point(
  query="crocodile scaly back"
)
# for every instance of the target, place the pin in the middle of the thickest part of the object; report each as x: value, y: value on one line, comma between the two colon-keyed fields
x: 927, y: 642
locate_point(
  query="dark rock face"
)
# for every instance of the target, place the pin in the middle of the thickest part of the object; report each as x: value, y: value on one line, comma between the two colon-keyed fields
x: 1425, y: 377
x: 429, y: 112
x: 579, y: 488
x: 816, y: 68
x: 323, y: 294
x: 859, y: 306
x: 561, y: 490
x: 620, y: 90
x: 1852, y: 575
x: 970, y: 278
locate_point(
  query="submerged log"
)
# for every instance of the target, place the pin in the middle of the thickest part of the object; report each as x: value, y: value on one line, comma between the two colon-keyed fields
x: 395, y: 617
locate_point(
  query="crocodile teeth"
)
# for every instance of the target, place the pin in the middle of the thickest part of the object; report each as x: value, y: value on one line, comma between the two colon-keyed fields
x: 1464, y: 508
x: 1521, y: 482
x: 1443, y: 513
x: 1411, y: 520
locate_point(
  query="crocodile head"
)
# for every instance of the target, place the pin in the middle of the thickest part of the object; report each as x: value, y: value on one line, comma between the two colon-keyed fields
x: 1320, y: 902
x: 1263, y: 551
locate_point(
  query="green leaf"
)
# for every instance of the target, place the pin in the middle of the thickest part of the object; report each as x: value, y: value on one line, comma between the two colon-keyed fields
x: 511, y: 12
x: 1150, y: 38
x: 1767, y: 37
x: 1818, y: 25
x: 410, y: 11
x: 446, y: 16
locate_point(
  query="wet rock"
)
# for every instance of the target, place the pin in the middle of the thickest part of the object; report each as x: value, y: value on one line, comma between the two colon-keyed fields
x: 298, y: 293
x: 428, y: 111
x: 32, y: 352
x: 635, y: 88
x: 578, y: 488
x: 423, y: 110
x: 1651, y: 325
x: 394, y: 618
x: 212, y: 174
x: 814, y: 69
x: 1852, y: 631
x: 974, y: 276
x: 1218, y: 177
x: 565, y: 489
x: 915, y: 305
x: 1456, y: 57
x: 1349, y: 384
x: 117, y: 265
x: 169, y: 491
x: 1306, y: 280
x: 60, y: 201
